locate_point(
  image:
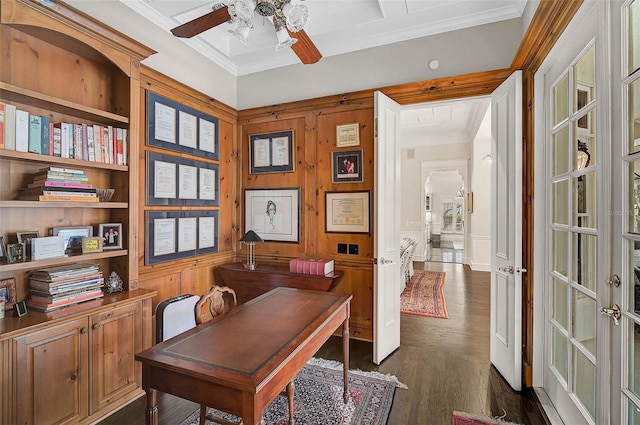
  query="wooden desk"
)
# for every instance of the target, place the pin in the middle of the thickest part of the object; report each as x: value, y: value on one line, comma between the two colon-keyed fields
x: 249, y: 284
x: 240, y: 361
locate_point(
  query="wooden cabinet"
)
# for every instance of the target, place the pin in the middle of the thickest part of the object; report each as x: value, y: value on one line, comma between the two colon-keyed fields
x: 78, y: 368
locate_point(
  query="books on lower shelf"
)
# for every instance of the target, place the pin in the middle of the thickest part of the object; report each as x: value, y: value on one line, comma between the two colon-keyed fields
x: 57, y: 287
x: 312, y: 265
x: 55, y: 184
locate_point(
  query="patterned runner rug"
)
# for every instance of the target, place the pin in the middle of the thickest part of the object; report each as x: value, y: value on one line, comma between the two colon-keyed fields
x: 318, y: 398
x: 424, y: 295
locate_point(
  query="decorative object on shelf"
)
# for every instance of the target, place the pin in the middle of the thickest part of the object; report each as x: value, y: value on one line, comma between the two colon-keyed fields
x: 111, y: 234
x: 72, y: 236
x: 8, y: 292
x: 172, y: 235
x: 348, y: 135
x: 284, y: 15
x: 47, y: 247
x: 15, y: 252
x: 274, y: 214
x: 114, y: 283
x: 250, y: 239
x: 271, y: 153
x: 91, y: 244
x: 105, y: 195
x: 177, y: 127
x: 25, y: 238
x: 347, y: 167
x: 347, y: 212
x: 20, y: 309
x: 3, y: 250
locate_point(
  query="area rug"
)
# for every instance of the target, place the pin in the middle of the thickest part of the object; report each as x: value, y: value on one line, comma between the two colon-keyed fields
x: 461, y: 418
x: 424, y: 295
x: 318, y: 398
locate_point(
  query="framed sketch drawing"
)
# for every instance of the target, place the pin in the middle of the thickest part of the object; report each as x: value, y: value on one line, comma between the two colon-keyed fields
x: 274, y: 214
x: 347, y: 212
x: 271, y: 152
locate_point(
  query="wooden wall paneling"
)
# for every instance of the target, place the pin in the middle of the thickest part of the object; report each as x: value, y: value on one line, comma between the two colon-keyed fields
x: 168, y: 285
x: 228, y: 170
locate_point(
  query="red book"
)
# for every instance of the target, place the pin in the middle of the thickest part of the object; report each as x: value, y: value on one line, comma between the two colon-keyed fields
x: 312, y: 266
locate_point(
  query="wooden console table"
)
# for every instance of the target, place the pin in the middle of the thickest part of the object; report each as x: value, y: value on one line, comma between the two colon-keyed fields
x: 249, y: 284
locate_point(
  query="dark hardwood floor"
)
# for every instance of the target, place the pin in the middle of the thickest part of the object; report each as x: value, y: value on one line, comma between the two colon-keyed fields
x: 444, y: 362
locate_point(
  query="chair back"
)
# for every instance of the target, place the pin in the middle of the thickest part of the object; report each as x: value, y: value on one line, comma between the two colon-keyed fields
x: 219, y: 300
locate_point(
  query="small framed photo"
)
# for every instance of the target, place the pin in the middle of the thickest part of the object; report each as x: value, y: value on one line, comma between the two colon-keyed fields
x: 25, y: 237
x: 111, y: 234
x: 347, y: 212
x: 271, y: 153
x: 15, y: 252
x: 348, y: 135
x: 73, y: 236
x: 347, y: 166
x: 91, y: 244
x: 3, y: 249
x: 8, y: 292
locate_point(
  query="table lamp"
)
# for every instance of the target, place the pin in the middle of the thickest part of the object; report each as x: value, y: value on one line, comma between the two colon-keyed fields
x: 250, y: 238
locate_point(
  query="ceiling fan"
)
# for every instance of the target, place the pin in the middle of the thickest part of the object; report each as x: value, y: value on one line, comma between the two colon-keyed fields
x: 288, y: 20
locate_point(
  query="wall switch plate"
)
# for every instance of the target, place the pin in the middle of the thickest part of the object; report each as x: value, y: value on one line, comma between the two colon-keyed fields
x: 353, y: 249
x: 342, y: 248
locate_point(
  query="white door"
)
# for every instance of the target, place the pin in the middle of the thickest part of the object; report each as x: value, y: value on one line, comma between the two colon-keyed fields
x: 578, y: 356
x: 386, y: 219
x: 506, y: 238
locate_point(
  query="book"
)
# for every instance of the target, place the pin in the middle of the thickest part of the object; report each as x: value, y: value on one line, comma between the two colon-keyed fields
x: 90, y: 143
x: 10, y: 127
x: 52, y: 198
x: 48, y: 307
x: 45, y: 135
x: 58, y: 189
x: 2, y: 120
x: 66, y: 271
x: 22, y: 131
x: 311, y: 265
x: 60, y: 183
x: 35, y: 133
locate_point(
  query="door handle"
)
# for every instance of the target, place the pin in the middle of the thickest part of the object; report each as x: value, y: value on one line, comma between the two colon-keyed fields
x: 385, y: 261
x: 506, y: 269
x: 613, y: 312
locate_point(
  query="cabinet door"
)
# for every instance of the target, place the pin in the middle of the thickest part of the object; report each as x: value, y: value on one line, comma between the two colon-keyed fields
x: 51, y: 375
x: 115, y: 337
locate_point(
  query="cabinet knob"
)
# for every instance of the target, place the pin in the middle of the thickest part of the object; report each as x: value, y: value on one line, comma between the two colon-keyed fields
x: 84, y: 330
x: 96, y: 326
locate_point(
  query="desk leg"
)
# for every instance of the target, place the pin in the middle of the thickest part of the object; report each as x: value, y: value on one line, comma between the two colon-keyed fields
x: 345, y: 353
x: 151, y: 415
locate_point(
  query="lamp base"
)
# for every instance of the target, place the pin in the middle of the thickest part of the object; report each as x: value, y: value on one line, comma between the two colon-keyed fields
x: 250, y: 266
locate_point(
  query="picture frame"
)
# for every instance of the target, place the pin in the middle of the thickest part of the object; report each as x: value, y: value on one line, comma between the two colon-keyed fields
x: 111, y: 234
x: 346, y: 166
x: 3, y: 249
x: 16, y: 252
x: 348, y: 135
x: 348, y: 212
x: 8, y: 292
x: 20, y: 309
x: 73, y: 236
x: 274, y: 214
x: 26, y: 236
x: 91, y: 244
x: 271, y: 153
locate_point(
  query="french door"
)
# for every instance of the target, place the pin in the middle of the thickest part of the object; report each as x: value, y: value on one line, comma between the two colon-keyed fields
x: 591, y: 176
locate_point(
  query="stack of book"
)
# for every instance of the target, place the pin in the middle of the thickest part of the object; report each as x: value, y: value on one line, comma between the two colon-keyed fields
x: 311, y: 265
x: 56, y: 184
x: 54, y: 288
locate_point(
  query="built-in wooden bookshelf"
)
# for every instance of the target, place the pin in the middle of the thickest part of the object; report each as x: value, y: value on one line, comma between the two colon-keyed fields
x: 60, y: 63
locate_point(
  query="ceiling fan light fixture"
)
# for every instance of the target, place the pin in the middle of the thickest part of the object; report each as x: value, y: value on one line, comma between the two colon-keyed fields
x: 266, y: 7
x: 242, y: 34
x: 296, y: 16
x: 284, y: 39
x: 241, y: 12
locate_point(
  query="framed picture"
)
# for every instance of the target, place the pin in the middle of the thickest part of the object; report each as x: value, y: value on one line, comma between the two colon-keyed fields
x: 111, y: 234
x: 91, y: 244
x: 8, y: 292
x: 347, y: 212
x: 25, y: 237
x: 73, y: 236
x: 347, y: 166
x: 271, y: 152
x: 348, y: 135
x: 15, y: 252
x: 274, y: 214
x: 3, y: 249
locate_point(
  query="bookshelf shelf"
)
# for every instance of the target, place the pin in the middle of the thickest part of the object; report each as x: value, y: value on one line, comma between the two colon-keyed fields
x: 54, y: 160
x: 25, y: 96
x: 45, y: 204
x: 29, y: 265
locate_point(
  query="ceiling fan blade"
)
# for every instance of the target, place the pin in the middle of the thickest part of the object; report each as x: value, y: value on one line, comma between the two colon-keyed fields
x: 203, y: 23
x: 304, y: 48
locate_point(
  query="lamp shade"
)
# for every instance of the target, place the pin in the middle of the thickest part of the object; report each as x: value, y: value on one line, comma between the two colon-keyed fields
x: 251, y: 236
